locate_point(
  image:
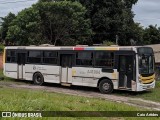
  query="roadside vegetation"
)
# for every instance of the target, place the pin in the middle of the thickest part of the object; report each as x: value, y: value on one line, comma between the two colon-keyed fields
x: 1, y: 48
x: 18, y: 99
x: 153, y: 94
x: 29, y: 100
x: 91, y: 22
x: 15, y: 99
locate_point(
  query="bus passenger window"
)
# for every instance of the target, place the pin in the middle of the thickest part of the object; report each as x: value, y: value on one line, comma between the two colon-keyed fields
x: 34, y: 57
x: 84, y: 58
x: 104, y: 59
x: 50, y: 57
x: 11, y: 56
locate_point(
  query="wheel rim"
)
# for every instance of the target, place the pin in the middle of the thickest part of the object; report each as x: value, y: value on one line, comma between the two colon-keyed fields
x: 106, y: 86
x: 38, y: 79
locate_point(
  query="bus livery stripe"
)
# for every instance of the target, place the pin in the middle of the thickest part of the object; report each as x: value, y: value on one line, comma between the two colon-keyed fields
x: 78, y: 48
x: 89, y: 48
x: 95, y: 48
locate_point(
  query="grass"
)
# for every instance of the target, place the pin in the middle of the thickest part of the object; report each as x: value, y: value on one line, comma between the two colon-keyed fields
x: 153, y: 94
x: 29, y: 100
x: 5, y: 78
x: 11, y: 80
x: 15, y: 99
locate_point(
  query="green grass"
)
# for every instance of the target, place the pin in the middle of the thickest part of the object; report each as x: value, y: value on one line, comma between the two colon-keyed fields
x: 5, y: 78
x: 15, y: 99
x: 18, y: 99
x: 29, y: 100
x: 153, y: 94
x: 11, y: 80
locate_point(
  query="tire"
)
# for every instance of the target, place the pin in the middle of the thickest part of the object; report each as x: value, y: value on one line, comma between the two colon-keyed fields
x: 38, y: 79
x: 106, y: 86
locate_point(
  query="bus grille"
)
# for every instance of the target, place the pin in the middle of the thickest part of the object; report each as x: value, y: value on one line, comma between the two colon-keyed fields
x: 146, y: 80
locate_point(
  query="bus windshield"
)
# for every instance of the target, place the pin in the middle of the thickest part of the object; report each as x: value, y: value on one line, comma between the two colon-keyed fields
x: 146, y: 60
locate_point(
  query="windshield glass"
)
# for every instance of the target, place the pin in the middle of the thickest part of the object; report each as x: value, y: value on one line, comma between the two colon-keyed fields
x: 146, y: 60
x: 146, y: 64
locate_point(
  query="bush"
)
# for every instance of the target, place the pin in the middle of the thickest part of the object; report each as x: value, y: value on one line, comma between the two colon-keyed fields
x: 108, y: 43
x: 1, y: 48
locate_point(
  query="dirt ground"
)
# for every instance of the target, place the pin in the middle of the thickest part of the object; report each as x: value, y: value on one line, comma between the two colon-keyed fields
x: 85, y: 92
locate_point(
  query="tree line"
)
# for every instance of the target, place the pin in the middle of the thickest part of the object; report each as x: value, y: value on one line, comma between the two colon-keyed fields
x: 72, y: 22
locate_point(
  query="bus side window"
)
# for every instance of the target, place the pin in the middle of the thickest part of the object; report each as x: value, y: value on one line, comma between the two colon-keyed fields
x: 104, y: 59
x: 34, y: 56
x: 84, y: 58
x: 50, y: 57
x: 11, y: 56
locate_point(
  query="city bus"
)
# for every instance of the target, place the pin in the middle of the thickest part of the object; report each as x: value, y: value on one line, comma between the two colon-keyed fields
x: 107, y: 68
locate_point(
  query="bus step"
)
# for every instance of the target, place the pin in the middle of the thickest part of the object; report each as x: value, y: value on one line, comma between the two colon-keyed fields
x: 66, y: 84
x: 124, y: 88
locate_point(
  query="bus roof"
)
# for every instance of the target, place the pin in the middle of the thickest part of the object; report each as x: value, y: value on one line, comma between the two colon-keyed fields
x: 73, y: 47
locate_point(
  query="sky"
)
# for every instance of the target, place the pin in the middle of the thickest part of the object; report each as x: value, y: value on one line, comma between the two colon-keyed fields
x: 14, y: 6
x: 146, y: 12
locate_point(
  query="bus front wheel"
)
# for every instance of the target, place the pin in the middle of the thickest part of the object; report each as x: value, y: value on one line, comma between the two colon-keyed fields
x: 106, y: 86
x: 38, y: 79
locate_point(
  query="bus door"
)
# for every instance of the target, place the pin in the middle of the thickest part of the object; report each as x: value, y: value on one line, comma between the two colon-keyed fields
x: 21, y: 59
x: 66, y: 68
x: 126, y: 71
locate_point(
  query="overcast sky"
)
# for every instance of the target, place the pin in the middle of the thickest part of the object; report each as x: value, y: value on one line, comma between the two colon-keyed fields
x: 14, y: 6
x: 146, y: 11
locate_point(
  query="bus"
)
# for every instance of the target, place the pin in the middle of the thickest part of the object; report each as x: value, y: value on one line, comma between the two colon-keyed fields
x: 107, y: 68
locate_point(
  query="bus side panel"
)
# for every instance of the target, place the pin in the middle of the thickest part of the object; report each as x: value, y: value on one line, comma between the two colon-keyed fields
x: 10, y: 72
x: 83, y: 76
x: 50, y: 73
x: 112, y: 74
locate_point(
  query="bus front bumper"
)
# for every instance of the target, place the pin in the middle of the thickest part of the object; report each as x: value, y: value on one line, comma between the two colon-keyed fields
x: 143, y: 87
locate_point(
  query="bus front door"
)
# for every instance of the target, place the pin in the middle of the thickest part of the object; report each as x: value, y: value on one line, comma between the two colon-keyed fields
x: 66, y: 65
x: 125, y: 71
x: 21, y: 57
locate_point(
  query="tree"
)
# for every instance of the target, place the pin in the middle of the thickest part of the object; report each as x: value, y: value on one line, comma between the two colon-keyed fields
x: 25, y: 29
x: 64, y: 23
x: 110, y: 18
x: 151, y: 35
x: 46, y: 0
x: 5, y: 24
x: 0, y: 34
x: 58, y: 23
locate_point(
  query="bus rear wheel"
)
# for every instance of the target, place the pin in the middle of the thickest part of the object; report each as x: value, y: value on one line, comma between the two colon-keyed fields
x: 38, y: 79
x: 106, y: 86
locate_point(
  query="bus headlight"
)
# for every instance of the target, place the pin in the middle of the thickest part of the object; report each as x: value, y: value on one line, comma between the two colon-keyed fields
x: 140, y: 80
